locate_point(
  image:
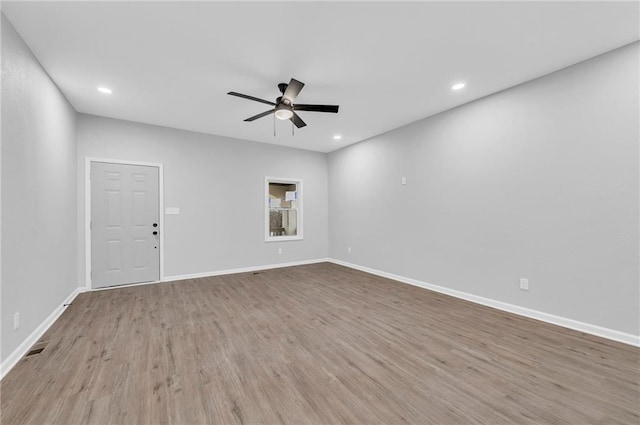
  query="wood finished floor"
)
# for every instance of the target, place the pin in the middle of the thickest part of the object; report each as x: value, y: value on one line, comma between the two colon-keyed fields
x: 316, y: 344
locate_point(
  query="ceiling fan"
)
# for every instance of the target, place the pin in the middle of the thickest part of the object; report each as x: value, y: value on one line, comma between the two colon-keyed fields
x: 284, y: 108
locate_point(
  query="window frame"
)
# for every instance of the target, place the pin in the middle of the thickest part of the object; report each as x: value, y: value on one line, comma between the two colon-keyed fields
x: 299, y: 209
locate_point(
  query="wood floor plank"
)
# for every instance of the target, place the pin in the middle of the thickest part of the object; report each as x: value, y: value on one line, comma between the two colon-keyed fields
x: 316, y: 344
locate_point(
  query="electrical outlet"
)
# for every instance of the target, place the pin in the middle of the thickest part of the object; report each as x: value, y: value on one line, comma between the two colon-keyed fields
x: 349, y: 249
x: 16, y: 321
x: 524, y: 284
x: 279, y: 250
x: 403, y: 180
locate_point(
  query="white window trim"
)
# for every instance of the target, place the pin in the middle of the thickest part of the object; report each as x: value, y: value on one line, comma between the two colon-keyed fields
x: 298, y: 183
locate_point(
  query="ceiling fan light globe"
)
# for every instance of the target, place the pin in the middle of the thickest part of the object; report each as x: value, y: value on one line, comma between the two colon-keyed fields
x: 284, y: 114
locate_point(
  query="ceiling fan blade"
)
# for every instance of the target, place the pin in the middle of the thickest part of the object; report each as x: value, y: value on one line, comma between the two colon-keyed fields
x: 264, y: 114
x: 246, y: 96
x: 293, y: 89
x: 297, y: 121
x: 316, y: 108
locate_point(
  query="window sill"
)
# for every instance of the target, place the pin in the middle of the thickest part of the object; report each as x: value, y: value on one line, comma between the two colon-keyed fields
x: 283, y: 238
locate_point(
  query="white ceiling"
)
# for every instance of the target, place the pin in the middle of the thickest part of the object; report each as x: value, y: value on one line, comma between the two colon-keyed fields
x: 385, y: 63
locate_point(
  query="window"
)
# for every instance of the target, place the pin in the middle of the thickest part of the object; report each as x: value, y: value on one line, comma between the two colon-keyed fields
x: 283, y: 209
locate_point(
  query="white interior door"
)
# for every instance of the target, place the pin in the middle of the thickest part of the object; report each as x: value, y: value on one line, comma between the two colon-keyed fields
x: 125, y: 226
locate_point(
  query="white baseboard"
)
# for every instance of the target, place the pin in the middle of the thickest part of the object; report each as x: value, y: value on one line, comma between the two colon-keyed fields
x: 244, y: 269
x: 23, y: 348
x: 511, y: 308
x: 215, y: 273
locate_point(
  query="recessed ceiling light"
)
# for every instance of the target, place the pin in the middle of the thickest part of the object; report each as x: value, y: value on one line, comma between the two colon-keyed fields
x: 458, y: 86
x: 337, y: 137
x: 105, y: 90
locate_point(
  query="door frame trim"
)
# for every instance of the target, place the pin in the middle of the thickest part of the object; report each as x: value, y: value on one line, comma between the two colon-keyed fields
x: 87, y: 210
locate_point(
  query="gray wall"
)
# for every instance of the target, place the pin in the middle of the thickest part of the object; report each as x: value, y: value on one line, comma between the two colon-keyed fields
x: 218, y: 184
x: 539, y: 181
x: 38, y: 192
